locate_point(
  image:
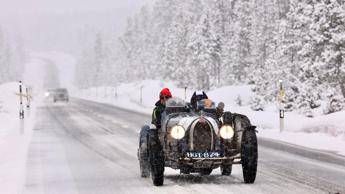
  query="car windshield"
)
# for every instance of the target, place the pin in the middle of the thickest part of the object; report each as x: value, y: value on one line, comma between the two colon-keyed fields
x: 206, y: 103
x: 62, y: 90
x: 175, y: 102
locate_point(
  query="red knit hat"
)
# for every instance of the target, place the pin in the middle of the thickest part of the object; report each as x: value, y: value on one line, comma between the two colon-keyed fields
x: 165, y: 93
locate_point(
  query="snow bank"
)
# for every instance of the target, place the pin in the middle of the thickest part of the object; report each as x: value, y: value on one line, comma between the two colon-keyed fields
x: 326, y: 132
x: 15, y: 135
x: 128, y: 95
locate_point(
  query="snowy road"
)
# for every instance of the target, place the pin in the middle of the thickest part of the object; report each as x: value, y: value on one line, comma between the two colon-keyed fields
x: 87, y: 147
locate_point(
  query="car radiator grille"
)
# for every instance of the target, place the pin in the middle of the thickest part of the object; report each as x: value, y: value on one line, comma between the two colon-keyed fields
x: 202, y: 137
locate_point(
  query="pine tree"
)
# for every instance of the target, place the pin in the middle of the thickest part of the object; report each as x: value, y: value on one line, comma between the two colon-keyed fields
x: 243, y: 51
x: 201, y: 46
x: 2, y: 57
x: 328, y: 36
x: 328, y: 41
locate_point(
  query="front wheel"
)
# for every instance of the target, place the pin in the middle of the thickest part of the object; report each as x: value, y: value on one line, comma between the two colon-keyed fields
x: 143, y: 163
x: 156, y: 159
x: 249, y: 155
x: 143, y: 155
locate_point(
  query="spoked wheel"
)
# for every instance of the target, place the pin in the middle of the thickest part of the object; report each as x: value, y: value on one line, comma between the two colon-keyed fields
x: 156, y: 159
x: 249, y: 155
x: 143, y: 154
x: 144, y: 163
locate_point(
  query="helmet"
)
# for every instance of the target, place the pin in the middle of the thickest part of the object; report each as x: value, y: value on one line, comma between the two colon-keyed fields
x: 197, y: 96
x: 221, y: 106
x: 165, y: 92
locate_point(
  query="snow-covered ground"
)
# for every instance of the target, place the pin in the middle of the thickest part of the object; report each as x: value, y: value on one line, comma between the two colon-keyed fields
x: 326, y: 132
x: 15, y: 135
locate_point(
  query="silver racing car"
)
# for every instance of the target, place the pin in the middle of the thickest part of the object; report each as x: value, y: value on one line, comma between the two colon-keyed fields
x: 197, y: 140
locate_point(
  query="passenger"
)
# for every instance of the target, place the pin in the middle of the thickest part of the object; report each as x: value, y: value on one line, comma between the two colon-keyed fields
x: 208, y: 103
x: 220, y: 110
x: 164, y: 95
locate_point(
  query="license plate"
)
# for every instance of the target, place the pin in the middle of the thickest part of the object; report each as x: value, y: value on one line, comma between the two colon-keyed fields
x: 203, y: 164
x: 202, y: 154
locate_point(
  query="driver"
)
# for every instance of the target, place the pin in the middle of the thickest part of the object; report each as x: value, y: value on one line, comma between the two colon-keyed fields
x: 197, y: 96
x: 164, y: 95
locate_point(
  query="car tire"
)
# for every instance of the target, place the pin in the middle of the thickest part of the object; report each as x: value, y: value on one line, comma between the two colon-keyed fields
x: 249, y: 155
x: 143, y: 155
x: 156, y: 157
x: 144, y: 164
x: 205, y: 171
x: 226, y: 170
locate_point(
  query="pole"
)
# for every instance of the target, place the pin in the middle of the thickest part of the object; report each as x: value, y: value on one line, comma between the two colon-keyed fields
x: 281, y: 105
x: 21, y: 109
x: 27, y: 97
x: 185, y: 93
x: 141, y: 94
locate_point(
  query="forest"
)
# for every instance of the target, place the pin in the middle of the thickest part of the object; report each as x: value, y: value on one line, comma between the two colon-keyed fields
x: 12, y: 57
x: 206, y: 44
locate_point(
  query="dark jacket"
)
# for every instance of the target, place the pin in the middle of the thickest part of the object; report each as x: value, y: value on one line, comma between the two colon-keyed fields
x: 157, y: 114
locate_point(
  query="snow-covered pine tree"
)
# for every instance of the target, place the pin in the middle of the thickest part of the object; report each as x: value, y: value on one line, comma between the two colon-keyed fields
x: 215, y: 42
x: 309, y: 97
x: 175, y: 53
x: 328, y: 41
x: 218, y: 23
x: 18, y: 59
x: 201, y: 45
x: 167, y: 19
x: 267, y: 67
x: 99, y: 54
x: 243, y: 50
x: 229, y: 46
x: 11, y: 58
x: 312, y: 43
x: 3, y: 58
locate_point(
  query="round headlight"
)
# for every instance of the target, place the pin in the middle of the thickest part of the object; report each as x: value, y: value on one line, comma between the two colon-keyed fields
x: 226, y: 132
x: 177, y: 132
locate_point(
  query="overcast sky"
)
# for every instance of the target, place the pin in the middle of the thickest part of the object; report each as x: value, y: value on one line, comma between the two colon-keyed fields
x: 57, y: 24
x: 35, y: 6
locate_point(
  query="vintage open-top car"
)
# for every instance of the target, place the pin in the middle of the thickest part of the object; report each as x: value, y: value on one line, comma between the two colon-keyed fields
x: 197, y: 140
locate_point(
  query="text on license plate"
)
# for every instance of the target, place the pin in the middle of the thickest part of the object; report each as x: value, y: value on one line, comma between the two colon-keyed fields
x: 202, y: 154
